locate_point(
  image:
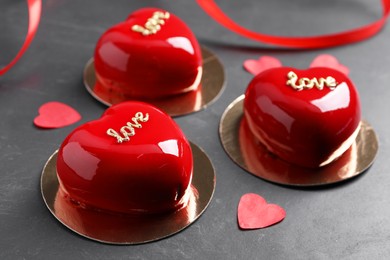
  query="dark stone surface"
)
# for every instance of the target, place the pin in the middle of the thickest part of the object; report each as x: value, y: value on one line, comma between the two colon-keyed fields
x: 348, y: 221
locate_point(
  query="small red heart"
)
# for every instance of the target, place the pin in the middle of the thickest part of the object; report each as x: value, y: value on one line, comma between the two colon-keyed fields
x: 254, y: 212
x: 262, y: 64
x: 55, y: 115
x: 327, y: 60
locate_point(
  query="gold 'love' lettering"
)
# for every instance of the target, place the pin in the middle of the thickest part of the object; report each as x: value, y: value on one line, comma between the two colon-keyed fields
x: 129, y: 129
x: 153, y: 24
x: 307, y: 83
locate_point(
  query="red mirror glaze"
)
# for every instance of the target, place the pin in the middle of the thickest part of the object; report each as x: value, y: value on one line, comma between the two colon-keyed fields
x: 141, y: 66
x: 150, y: 173
x: 308, y: 127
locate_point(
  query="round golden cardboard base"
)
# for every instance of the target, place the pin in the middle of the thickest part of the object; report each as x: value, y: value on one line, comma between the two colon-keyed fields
x: 126, y: 229
x: 243, y: 149
x: 212, y: 84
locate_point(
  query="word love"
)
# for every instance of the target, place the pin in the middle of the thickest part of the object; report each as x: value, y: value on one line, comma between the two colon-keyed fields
x: 153, y: 25
x: 307, y: 83
x: 129, y: 129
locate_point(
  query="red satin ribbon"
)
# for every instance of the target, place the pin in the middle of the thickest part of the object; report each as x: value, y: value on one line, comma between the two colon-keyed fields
x: 320, y: 41
x: 34, y: 15
x: 211, y: 8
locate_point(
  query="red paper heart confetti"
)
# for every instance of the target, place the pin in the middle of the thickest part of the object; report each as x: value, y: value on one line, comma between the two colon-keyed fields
x: 254, y: 212
x: 327, y: 60
x: 55, y: 115
x: 263, y: 63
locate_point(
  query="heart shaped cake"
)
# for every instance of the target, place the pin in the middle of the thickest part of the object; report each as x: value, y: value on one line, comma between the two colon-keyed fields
x: 151, y: 55
x: 305, y: 117
x: 134, y: 159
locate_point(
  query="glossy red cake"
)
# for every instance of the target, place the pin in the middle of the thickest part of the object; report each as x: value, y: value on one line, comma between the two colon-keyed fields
x: 305, y: 117
x: 151, y: 55
x: 134, y: 159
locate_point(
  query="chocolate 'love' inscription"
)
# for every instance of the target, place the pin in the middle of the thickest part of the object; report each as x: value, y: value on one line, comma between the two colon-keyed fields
x: 129, y: 129
x: 307, y: 83
x: 153, y: 25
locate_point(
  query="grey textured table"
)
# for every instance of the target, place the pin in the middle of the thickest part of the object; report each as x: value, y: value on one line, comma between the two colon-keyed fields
x: 348, y: 221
